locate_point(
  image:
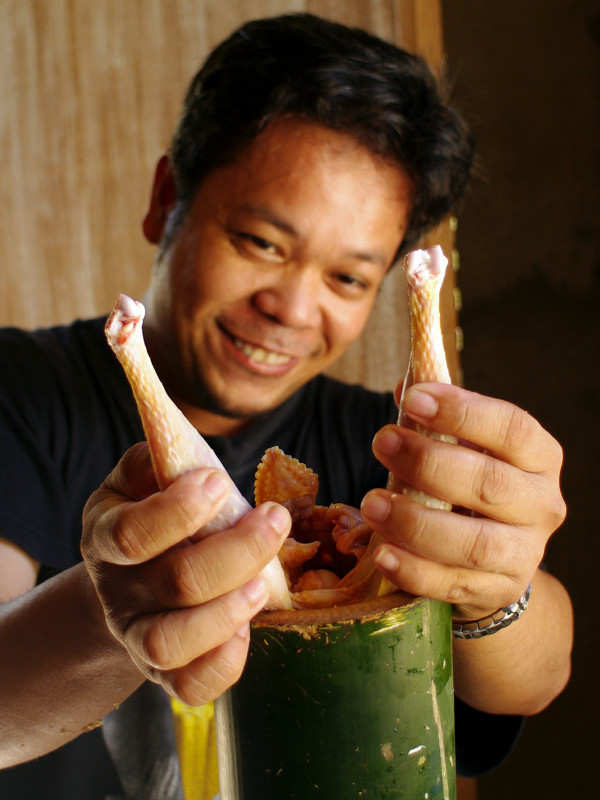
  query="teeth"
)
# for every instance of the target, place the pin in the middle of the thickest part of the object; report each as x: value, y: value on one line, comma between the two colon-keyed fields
x: 260, y: 355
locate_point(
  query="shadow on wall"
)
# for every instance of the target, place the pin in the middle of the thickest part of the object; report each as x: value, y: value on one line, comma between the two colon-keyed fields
x: 528, y: 74
x: 539, y: 349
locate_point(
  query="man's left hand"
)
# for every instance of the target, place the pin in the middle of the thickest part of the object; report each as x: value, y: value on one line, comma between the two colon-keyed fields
x: 504, y: 471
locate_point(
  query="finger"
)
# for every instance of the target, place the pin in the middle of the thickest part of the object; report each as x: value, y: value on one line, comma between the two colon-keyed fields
x: 133, y: 476
x: 473, y: 594
x: 192, y: 575
x: 210, y: 675
x: 470, y: 479
x: 206, y: 569
x: 451, y: 539
x: 174, y: 639
x: 502, y: 428
x: 123, y: 532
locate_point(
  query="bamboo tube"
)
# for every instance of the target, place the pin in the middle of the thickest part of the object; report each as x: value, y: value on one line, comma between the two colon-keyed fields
x: 350, y: 702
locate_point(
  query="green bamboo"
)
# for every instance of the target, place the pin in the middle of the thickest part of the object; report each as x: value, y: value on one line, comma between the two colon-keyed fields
x: 358, y: 706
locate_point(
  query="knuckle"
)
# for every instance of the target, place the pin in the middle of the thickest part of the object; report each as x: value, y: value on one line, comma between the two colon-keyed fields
x: 189, y: 506
x: 461, y: 421
x: 229, y: 669
x: 255, y: 542
x: 557, y: 455
x: 551, y: 509
x: 160, y: 649
x: 206, y: 680
x: 190, y: 515
x: 232, y: 610
x: 90, y: 512
x: 93, y: 532
x: 517, y: 428
x: 495, y: 484
x: 88, y: 549
x: 125, y: 541
x: 190, y: 579
x: 416, y: 525
x: 130, y: 537
x: 192, y: 693
x: 473, y: 599
x: 560, y: 510
x: 484, y: 550
x: 459, y: 591
x: 557, y: 512
x: 423, y: 463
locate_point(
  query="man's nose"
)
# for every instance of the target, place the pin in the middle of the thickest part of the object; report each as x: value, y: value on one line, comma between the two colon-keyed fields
x: 294, y: 298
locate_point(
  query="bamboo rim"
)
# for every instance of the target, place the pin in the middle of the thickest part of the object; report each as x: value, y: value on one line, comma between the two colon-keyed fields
x: 314, y: 618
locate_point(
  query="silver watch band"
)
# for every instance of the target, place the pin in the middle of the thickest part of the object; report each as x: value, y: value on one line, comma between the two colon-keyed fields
x: 475, y: 629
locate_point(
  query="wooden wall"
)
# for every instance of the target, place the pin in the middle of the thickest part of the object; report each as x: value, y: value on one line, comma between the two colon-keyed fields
x: 90, y: 93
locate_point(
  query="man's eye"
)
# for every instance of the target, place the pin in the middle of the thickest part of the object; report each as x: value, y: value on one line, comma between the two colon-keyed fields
x: 351, y: 282
x: 259, y: 242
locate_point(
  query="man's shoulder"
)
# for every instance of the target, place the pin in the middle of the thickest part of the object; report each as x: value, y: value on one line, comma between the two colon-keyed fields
x: 33, y: 361
x: 59, y: 372
x: 45, y: 347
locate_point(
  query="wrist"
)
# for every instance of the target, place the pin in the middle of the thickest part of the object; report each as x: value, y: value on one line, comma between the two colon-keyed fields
x: 491, y: 623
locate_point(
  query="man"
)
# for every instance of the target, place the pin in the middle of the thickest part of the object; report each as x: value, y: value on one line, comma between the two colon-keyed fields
x: 308, y: 158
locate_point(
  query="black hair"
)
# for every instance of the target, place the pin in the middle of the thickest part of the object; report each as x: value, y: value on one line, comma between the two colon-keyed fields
x: 343, y: 78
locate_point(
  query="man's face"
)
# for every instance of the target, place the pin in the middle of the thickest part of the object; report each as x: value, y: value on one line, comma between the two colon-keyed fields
x: 274, y: 271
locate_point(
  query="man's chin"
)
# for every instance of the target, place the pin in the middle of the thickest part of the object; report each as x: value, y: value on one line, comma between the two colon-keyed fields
x: 233, y: 409
x: 244, y: 401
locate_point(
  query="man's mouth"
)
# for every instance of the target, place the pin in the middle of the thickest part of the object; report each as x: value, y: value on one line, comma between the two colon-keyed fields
x: 261, y: 356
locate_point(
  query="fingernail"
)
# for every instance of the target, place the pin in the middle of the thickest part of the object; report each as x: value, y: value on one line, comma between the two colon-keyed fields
x: 278, y: 516
x: 386, y: 560
x: 255, y: 590
x: 216, y: 484
x: 375, y: 506
x: 388, y: 441
x: 419, y: 404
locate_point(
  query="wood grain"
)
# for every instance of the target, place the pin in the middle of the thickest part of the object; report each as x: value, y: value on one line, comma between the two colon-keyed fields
x: 91, y: 93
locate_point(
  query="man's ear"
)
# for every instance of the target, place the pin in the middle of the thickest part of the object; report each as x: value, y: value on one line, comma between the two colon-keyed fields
x: 162, y: 200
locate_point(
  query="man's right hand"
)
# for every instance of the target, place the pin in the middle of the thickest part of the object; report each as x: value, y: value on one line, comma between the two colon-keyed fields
x: 180, y: 609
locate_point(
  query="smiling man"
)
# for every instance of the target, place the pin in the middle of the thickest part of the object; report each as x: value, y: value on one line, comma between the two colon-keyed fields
x: 308, y: 158
x: 273, y: 271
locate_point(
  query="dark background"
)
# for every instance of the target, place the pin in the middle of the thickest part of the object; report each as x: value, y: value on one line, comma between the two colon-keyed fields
x: 527, y: 75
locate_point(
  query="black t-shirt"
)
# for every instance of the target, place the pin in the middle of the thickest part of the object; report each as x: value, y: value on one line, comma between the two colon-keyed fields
x: 67, y: 415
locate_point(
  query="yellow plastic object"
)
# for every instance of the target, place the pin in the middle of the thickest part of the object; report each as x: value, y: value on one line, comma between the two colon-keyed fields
x: 197, y: 749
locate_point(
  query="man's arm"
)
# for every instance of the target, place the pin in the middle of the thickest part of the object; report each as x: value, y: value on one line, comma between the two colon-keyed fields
x: 144, y: 605
x: 534, y: 650
x: 60, y: 669
x: 508, y: 478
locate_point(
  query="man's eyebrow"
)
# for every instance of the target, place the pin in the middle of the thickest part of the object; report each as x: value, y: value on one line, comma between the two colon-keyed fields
x: 375, y: 257
x: 268, y: 216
